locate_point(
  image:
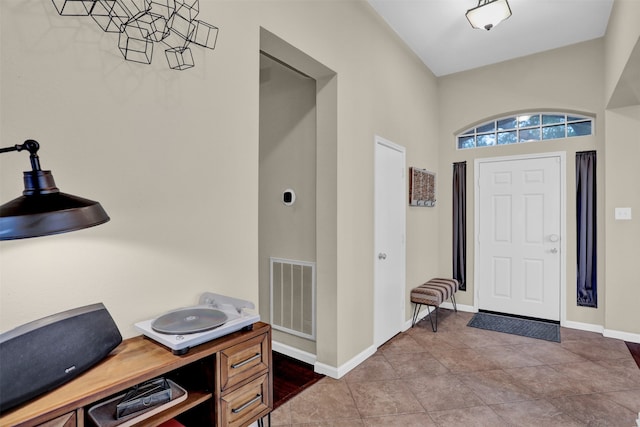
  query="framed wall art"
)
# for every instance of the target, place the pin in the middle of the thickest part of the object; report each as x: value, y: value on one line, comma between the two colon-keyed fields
x: 422, y: 187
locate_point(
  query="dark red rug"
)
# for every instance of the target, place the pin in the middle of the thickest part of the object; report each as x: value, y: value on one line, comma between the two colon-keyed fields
x: 290, y: 377
x: 634, y: 348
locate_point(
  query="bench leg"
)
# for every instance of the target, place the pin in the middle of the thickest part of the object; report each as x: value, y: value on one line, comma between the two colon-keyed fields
x: 453, y: 300
x: 434, y: 327
x: 416, y: 311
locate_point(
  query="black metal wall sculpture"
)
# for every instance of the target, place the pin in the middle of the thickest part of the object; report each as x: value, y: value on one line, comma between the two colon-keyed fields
x: 170, y: 22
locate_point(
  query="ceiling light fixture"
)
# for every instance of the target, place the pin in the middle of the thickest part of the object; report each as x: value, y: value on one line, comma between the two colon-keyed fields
x: 42, y: 209
x: 488, y: 13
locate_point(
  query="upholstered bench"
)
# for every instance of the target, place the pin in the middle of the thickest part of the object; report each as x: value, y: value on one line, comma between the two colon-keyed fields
x: 432, y: 294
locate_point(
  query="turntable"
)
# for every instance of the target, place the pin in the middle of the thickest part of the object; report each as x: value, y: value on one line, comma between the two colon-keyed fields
x: 214, y: 316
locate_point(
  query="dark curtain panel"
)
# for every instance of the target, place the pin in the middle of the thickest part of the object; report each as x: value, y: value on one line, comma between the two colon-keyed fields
x: 460, y: 224
x: 587, y: 290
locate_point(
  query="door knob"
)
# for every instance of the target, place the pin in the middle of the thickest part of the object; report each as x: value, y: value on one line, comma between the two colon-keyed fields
x: 554, y: 251
x: 382, y: 255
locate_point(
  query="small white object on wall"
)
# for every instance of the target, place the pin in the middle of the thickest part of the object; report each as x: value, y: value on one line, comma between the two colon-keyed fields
x: 623, y: 213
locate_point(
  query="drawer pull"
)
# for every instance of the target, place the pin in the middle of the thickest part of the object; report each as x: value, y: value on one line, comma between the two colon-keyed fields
x: 244, y: 362
x: 246, y: 405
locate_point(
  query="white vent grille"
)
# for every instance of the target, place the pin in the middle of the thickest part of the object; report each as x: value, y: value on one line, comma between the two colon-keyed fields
x: 293, y: 297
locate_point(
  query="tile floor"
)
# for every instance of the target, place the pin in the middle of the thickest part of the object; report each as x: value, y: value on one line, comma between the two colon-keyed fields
x: 463, y: 376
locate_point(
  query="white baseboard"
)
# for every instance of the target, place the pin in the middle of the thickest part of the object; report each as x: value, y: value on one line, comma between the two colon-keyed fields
x: 610, y: 333
x: 625, y: 336
x: 340, y: 371
x: 461, y: 307
x: 321, y: 368
x: 297, y: 354
x: 590, y: 327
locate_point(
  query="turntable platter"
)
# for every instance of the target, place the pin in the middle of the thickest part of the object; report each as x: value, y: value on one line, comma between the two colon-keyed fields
x: 189, y: 321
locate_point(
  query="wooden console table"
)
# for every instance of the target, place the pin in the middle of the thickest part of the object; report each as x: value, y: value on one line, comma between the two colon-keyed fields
x: 229, y: 382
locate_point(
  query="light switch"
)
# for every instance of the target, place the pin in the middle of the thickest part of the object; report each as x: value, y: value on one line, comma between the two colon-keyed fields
x: 623, y: 213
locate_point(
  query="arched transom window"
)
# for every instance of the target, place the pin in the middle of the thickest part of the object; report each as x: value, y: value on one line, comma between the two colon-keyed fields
x: 528, y: 127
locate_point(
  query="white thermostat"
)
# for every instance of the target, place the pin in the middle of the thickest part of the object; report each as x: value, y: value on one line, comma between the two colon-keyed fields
x: 288, y: 197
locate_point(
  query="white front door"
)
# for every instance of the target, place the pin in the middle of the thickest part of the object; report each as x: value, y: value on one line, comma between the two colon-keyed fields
x: 519, y: 236
x: 389, y: 240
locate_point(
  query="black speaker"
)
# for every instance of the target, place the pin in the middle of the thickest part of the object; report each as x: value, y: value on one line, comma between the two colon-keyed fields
x: 46, y: 353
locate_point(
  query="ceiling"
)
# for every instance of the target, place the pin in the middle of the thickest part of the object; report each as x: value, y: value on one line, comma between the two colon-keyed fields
x: 439, y: 33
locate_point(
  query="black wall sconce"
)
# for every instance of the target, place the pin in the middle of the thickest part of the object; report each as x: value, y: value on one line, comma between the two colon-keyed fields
x: 42, y: 209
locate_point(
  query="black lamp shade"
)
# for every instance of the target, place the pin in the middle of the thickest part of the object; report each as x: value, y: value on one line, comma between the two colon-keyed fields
x: 43, y: 210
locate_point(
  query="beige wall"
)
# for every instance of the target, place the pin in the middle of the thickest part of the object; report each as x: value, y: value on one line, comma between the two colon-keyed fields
x: 622, y: 237
x: 173, y: 158
x: 567, y: 79
x: 622, y: 149
x: 622, y: 48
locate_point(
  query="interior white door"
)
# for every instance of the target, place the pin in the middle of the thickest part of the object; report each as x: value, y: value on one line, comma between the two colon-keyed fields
x: 519, y: 237
x: 389, y: 240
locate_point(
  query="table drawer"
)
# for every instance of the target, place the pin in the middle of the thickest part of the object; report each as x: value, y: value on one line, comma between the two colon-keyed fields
x: 246, y: 404
x: 243, y: 361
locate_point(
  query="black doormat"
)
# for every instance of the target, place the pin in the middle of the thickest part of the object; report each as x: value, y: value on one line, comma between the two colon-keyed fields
x: 515, y: 325
x: 290, y: 377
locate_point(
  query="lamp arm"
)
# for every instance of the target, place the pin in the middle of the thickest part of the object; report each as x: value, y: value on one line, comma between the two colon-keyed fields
x: 32, y: 147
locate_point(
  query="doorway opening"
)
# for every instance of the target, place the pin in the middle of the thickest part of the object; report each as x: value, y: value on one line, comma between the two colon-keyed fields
x: 297, y: 196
